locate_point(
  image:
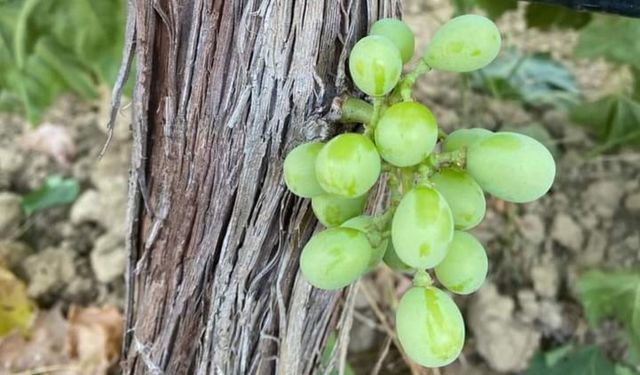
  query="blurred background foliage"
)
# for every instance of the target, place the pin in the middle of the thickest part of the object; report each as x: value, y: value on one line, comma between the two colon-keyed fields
x: 49, y: 47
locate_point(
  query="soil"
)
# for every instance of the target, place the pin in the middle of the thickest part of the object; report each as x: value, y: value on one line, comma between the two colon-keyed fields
x: 70, y: 254
x: 591, y: 219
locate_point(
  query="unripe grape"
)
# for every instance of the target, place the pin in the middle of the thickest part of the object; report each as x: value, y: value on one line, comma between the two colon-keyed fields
x: 464, y: 138
x: 511, y: 166
x: 332, y: 210
x: 430, y: 326
x: 406, y: 134
x: 334, y: 258
x: 375, y: 65
x: 348, y: 165
x: 300, y: 170
x: 363, y: 223
x: 464, y: 196
x: 463, y: 44
x: 394, y: 262
x: 399, y: 33
x: 422, y: 228
x: 464, y: 269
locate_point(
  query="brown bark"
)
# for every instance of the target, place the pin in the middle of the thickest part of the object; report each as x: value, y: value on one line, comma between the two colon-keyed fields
x: 223, y: 90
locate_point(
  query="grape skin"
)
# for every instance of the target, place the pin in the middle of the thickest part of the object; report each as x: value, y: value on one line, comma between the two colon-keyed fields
x: 363, y: 224
x: 399, y: 33
x: 394, y: 262
x: 464, y: 269
x: 348, y: 165
x: 511, y: 166
x: 406, y: 134
x: 300, y: 171
x: 334, y: 258
x: 464, y: 138
x: 332, y: 210
x: 464, y: 44
x: 464, y: 196
x: 422, y: 228
x: 375, y: 65
x: 430, y: 326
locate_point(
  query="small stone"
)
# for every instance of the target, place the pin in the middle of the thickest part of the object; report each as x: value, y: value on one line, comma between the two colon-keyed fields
x: 11, y: 214
x: 112, y: 172
x: 550, y: 315
x: 529, y: 305
x: 49, y: 271
x: 604, y: 196
x: 86, y: 208
x: 532, y: 228
x: 109, y: 210
x: 108, y: 258
x: 13, y: 253
x: 505, y: 342
x: 567, y: 232
x: 588, y: 220
x: 632, y: 203
x: 11, y: 161
x: 545, y: 280
x: 594, y: 251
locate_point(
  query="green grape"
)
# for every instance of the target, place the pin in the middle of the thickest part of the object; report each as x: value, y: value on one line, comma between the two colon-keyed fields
x: 363, y: 224
x: 464, y: 268
x: 463, y: 44
x: 430, y: 326
x: 511, y: 166
x: 348, y: 165
x: 422, y: 228
x: 406, y: 134
x: 300, y: 170
x: 394, y: 262
x: 464, y: 196
x: 398, y: 33
x: 464, y: 138
x: 375, y: 65
x: 334, y: 258
x: 332, y: 210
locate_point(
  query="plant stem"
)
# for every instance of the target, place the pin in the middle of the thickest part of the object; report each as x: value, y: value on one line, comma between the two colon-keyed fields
x: 378, y: 104
x: 406, y: 175
x: 356, y: 110
x: 405, y: 86
x: 422, y: 279
x: 456, y: 158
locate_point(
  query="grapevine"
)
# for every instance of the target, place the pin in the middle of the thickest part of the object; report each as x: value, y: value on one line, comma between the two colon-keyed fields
x: 436, y: 183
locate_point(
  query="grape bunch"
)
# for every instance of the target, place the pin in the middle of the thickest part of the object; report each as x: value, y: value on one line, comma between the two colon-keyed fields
x: 436, y: 183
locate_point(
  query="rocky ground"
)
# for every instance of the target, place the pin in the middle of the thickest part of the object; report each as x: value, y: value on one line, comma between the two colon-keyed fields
x: 591, y: 219
x: 69, y: 254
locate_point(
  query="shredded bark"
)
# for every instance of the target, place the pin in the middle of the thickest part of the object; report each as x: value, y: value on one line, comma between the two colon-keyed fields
x: 223, y: 90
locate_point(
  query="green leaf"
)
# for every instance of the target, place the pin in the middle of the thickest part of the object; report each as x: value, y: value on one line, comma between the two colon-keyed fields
x: 585, y: 361
x: 623, y: 370
x: 534, y: 79
x: 612, y: 294
x: 56, y: 191
x: 614, y: 38
x: 545, y: 16
x: 496, y: 8
x: 635, y: 72
x: 326, y: 357
x: 51, y: 47
x: 614, y: 120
